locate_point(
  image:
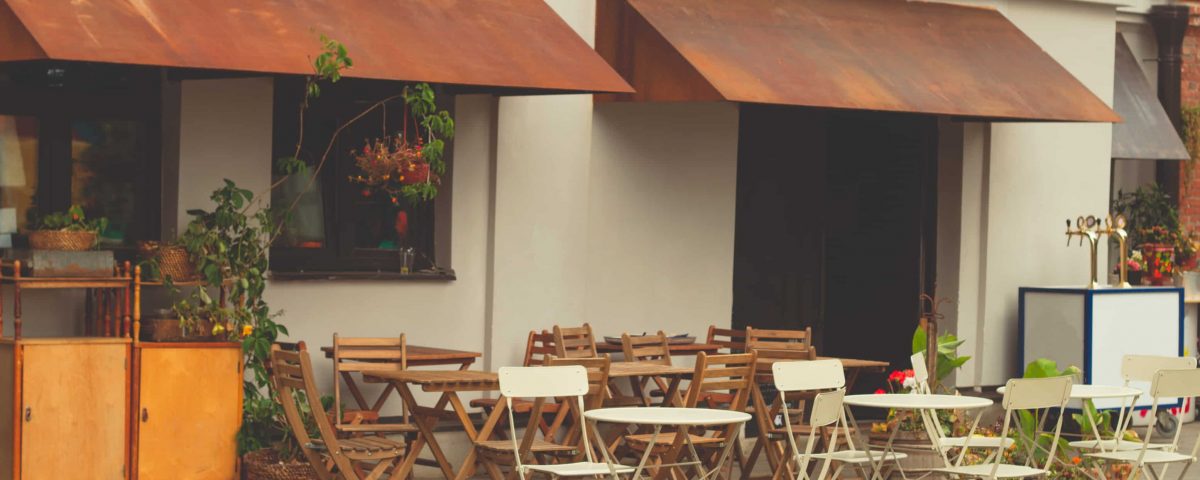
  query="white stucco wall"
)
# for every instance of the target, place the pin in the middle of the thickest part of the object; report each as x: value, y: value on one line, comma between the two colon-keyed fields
x: 663, y: 193
x: 1037, y: 175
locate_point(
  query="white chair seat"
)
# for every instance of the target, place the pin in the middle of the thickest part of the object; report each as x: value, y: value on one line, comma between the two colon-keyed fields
x: 1152, y: 456
x: 1003, y: 470
x: 579, y: 469
x: 1112, y: 444
x: 977, y: 442
x: 859, y: 456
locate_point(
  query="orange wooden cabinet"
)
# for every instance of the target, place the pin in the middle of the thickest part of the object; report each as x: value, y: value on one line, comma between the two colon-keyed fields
x: 187, y: 410
x: 64, y: 408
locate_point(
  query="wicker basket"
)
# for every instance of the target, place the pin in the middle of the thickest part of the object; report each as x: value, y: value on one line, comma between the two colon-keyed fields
x: 265, y: 465
x: 73, y: 240
x: 173, y: 260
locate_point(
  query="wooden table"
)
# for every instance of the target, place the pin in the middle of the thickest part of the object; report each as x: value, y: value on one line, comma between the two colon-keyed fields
x: 633, y: 370
x: 449, y: 383
x: 419, y: 356
x: 676, y: 349
x: 764, y: 414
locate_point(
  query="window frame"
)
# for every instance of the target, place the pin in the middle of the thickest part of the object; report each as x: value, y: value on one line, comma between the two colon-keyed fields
x: 338, y: 257
x: 80, y: 98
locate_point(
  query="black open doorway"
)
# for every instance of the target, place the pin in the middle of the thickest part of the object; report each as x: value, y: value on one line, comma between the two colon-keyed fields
x: 836, y: 225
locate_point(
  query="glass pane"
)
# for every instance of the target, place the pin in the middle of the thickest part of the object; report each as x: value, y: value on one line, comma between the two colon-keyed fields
x: 18, y: 172
x: 106, y: 163
x: 305, y: 227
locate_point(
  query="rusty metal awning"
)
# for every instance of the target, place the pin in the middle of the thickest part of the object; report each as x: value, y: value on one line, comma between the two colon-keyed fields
x: 1147, y: 132
x: 520, y: 44
x: 885, y: 55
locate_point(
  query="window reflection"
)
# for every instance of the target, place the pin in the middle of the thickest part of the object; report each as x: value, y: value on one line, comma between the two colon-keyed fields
x: 106, y: 158
x: 18, y: 172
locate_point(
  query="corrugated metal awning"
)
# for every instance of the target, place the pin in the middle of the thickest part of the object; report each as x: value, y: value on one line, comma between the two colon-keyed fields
x: 520, y: 44
x: 1147, y: 132
x: 885, y: 55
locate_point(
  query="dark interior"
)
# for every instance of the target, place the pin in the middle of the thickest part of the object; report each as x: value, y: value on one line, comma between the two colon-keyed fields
x: 835, y: 213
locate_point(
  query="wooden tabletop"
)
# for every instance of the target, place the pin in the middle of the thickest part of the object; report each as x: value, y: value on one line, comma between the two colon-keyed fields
x: 765, y: 363
x: 646, y: 369
x: 443, y: 380
x: 423, y: 356
x: 676, y: 349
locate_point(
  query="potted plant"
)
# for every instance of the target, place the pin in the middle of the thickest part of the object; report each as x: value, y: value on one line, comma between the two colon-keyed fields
x: 69, y: 230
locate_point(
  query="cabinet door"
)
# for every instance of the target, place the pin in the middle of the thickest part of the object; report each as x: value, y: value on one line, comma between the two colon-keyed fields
x: 75, y: 410
x: 190, y: 412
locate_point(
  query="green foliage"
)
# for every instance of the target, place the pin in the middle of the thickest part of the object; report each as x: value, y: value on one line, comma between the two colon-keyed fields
x: 1030, y: 442
x: 290, y: 165
x: 229, y: 245
x: 71, y: 220
x: 1145, y: 209
x: 1046, y: 368
x: 438, y: 126
x: 328, y: 65
x: 948, y: 359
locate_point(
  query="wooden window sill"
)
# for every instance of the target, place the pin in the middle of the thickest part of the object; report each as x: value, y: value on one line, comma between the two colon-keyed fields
x: 440, y: 276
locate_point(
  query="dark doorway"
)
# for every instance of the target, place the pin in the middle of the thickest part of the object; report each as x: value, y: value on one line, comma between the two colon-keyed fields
x: 835, y: 212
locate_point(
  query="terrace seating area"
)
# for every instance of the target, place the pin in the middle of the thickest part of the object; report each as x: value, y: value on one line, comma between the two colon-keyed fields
x: 576, y: 408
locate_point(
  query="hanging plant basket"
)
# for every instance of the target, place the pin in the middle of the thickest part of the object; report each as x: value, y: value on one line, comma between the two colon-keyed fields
x: 69, y: 240
x: 419, y: 173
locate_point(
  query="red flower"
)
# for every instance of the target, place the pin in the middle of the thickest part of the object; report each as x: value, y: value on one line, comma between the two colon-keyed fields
x: 880, y: 391
x: 909, y: 373
x: 896, y: 376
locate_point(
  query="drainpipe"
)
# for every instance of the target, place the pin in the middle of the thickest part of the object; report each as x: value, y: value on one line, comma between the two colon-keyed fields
x: 1170, y: 22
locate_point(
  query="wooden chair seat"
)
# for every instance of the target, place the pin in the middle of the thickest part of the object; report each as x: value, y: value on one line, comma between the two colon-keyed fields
x: 666, y: 439
x: 539, y: 446
x: 384, y: 428
x: 370, y: 444
x: 519, y: 405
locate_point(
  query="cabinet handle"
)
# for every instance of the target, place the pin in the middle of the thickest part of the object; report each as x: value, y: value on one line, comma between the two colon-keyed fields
x: 28, y: 414
x: 145, y: 415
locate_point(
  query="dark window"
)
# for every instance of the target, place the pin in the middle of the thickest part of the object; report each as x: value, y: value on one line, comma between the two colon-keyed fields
x: 86, y: 134
x: 336, y: 225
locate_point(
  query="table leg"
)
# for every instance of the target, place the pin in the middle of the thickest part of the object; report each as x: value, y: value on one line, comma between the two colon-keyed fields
x: 425, y: 423
x: 489, y: 426
x: 876, y: 467
x: 612, y: 463
x: 648, y: 453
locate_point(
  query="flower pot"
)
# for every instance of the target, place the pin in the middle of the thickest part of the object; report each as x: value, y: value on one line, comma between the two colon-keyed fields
x: 168, y: 328
x: 265, y: 465
x: 70, y: 240
x: 1135, y: 277
x: 418, y: 174
x: 173, y: 260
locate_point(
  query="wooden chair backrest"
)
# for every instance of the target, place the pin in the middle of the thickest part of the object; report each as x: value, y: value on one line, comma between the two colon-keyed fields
x: 730, y: 340
x: 364, y: 355
x: 291, y: 372
x: 647, y: 348
x: 732, y: 374
x: 782, y: 344
x: 538, y: 348
x: 574, y: 342
x: 597, y: 375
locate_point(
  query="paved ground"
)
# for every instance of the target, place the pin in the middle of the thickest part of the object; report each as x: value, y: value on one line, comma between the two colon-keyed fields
x: 1190, y: 431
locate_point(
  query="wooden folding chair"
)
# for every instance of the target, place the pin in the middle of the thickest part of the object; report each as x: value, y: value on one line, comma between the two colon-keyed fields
x: 539, y: 347
x: 730, y: 375
x: 574, y: 342
x: 331, y: 457
x: 790, y: 344
x: 363, y: 356
x: 730, y: 340
x: 536, y: 452
x: 650, y: 349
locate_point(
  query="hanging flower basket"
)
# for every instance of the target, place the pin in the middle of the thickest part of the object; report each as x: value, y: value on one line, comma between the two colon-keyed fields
x: 418, y: 172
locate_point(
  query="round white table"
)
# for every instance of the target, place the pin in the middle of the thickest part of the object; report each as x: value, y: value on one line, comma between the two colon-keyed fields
x: 1124, y: 417
x: 659, y: 417
x: 924, y: 403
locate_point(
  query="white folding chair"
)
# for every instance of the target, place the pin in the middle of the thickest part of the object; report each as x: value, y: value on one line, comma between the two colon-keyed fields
x: 1032, y: 394
x: 1135, y: 369
x: 540, y: 384
x: 827, y: 410
x: 1166, y: 384
x: 994, y: 445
